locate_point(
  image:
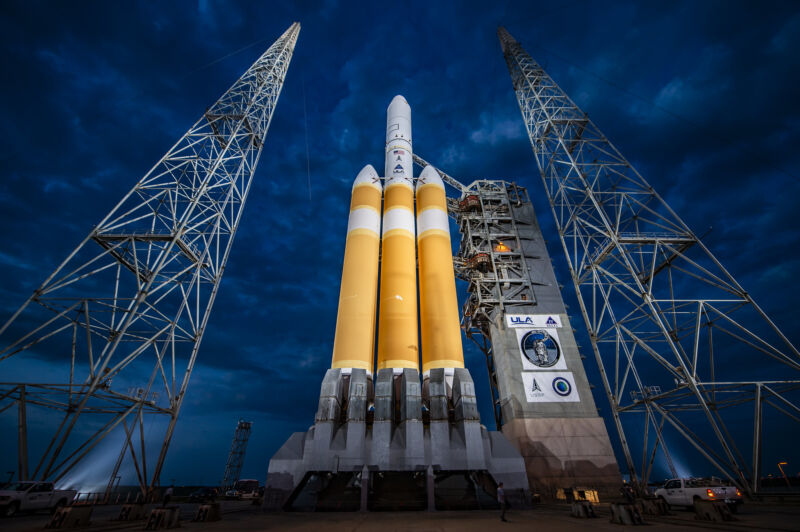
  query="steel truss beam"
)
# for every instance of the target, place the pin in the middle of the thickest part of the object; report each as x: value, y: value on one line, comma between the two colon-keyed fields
x: 671, y: 329
x: 128, y: 307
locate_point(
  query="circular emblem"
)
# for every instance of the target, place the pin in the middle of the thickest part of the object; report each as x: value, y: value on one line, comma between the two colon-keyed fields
x: 562, y: 386
x: 540, y: 348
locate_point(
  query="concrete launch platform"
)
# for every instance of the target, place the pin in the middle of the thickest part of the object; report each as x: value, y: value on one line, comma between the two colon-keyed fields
x: 420, y: 446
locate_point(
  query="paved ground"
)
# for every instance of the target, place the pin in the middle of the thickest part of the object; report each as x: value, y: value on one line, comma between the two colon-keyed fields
x: 243, y: 516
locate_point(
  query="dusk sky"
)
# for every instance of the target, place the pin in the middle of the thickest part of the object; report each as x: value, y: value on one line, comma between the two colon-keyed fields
x: 701, y: 97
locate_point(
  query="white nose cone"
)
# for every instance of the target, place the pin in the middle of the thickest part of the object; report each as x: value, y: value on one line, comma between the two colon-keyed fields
x: 398, y: 121
x: 368, y: 175
x: 399, y: 158
x: 429, y: 176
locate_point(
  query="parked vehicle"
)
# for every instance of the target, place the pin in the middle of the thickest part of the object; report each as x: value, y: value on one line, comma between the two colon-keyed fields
x: 685, y: 491
x: 243, y: 489
x: 203, y: 495
x: 28, y: 496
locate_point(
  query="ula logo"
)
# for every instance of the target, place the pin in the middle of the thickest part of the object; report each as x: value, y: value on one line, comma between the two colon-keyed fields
x: 551, y: 321
x: 518, y: 320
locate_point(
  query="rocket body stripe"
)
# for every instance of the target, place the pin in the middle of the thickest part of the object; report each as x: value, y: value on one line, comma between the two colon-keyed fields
x: 400, y: 194
x: 398, y: 218
x: 439, y: 318
x: 432, y: 219
x: 354, y: 342
x: 398, y: 345
x: 364, y: 217
x: 365, y: 194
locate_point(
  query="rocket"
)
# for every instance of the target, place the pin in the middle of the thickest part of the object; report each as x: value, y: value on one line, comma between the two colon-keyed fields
x: 397, y: 322
x: 401, y: 237
x: 354, y: 342
x: 440, y: 324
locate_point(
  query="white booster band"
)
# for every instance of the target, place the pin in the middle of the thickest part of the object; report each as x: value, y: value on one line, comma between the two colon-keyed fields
x: 432, y: 219
x: 398, y: 218
x: 364, y: 218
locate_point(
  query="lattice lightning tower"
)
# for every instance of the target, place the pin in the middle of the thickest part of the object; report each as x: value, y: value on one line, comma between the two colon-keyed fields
x: 127, y: 309
x: 671, y: 329
x: 233, y: 467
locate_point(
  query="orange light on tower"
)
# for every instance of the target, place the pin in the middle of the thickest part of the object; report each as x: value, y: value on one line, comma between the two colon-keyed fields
x: 501, y: 248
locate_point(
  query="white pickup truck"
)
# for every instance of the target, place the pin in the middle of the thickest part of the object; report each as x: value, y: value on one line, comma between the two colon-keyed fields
x: 29, y: 496
x: 685, y: 491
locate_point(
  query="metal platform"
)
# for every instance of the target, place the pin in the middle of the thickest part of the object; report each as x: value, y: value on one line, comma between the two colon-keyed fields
x: 421, y: 439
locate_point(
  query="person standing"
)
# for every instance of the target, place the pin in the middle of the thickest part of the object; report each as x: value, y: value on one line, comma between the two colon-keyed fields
x: 168, y: 495
x: 501, y: 498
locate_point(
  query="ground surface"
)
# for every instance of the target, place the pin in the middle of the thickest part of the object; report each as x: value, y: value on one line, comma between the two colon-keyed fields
x: 246, y: 517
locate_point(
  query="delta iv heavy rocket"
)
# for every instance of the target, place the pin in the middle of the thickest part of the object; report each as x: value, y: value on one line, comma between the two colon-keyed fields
x: 401, y: 240
x: 377, y: 426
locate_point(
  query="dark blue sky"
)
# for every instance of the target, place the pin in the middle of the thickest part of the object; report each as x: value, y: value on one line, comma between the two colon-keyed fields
x: 700, y: 96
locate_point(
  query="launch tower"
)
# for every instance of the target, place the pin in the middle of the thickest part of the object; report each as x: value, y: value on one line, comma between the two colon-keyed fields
x: 516, y: 315
x: 233, y: 467
x: 671, y: 329
x: 126, y: 311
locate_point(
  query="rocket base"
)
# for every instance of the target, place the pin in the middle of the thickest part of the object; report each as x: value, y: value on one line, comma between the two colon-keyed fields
x: 413, y: 450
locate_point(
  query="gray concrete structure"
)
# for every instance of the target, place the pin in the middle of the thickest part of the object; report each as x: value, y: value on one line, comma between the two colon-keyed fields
x: 425, y: 430
x: 515, y: 311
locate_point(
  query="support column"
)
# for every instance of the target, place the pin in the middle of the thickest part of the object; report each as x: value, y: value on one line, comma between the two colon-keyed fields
x: 430, y: 482
x: 364, y: 488
x: 757, y: 442
x: 22, y: 436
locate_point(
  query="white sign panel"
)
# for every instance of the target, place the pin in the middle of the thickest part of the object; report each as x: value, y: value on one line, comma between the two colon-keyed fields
x: 532, y: 321
x: 540, y: 349
x: 550, y: 387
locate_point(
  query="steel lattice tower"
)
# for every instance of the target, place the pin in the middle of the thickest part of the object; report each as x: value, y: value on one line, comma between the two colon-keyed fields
x: 233, y: 468
x: 670, y: 328
x: 127, y: 309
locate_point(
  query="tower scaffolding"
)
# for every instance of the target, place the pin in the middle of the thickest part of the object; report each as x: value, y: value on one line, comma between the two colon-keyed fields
x: 126, y: 311
x: 542, y: 400
x: 670, y: 327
